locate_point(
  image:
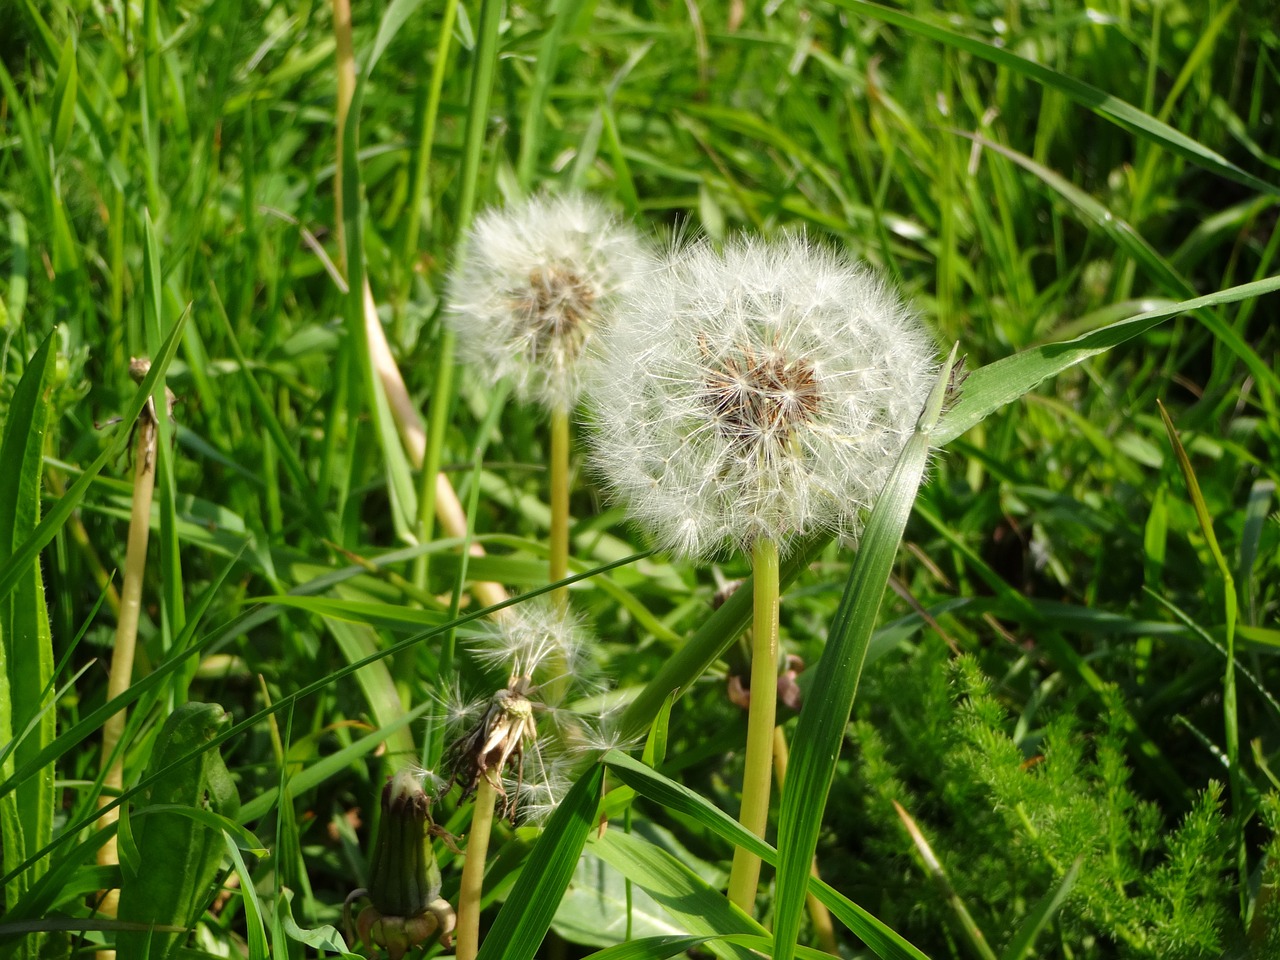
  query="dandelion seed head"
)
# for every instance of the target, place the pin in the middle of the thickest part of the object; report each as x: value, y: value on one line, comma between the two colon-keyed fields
x: 519, y: 737
x: 536, y: 641
x: 763, y: 392
x: 536, y: 282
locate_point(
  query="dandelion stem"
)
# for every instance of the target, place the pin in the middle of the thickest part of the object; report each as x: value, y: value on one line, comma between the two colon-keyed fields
x: 559, y: 465
x: 144, y: 484
x: 468, y: 930
x: 756, y: 778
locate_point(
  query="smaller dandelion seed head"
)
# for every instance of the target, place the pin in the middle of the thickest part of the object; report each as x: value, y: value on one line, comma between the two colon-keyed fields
x: 765, y: 391
x: 536, y: 282
x: 522, y: 737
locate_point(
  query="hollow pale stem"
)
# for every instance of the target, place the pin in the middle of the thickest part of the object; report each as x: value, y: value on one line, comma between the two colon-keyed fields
x: 135, y: 564
x: 472, y: 886
x: 757, y: 778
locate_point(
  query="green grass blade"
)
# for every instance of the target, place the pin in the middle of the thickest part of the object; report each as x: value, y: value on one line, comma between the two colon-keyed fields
x: 561, y: 14
x: 1118, y: 111
x: 711, y: 640
x: 172, y: 605
x: 1041, y: 915
x: 331, y: 765
x: 649, y: 948
x: 989, y: 388
x: 524, y: 919
x: 11, y: 569
x: 26, y: 646
x: 821, y: 727
x: 1133, y: 243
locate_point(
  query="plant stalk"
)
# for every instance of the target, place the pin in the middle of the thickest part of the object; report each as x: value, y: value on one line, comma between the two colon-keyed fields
x: 559, y: 563
x: 744, y: 878
x: 472, y: 886
x: 126, y: 641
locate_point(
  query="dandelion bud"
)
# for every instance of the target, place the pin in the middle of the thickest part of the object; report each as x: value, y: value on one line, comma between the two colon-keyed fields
x: 537, y: 281
x: 405, y: 907
x: 760, y: 394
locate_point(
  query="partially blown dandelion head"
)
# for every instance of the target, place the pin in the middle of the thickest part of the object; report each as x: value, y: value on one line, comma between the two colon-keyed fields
x: 517, y: 737
x: 537, y: 281
x: 765, y: 392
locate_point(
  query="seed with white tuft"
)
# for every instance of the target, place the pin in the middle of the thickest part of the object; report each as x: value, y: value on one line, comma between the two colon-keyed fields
x: 765, y: 392
x: 536, y: 282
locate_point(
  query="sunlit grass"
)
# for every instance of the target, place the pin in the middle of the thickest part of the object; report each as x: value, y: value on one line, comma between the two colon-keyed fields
x: 1070, y: 690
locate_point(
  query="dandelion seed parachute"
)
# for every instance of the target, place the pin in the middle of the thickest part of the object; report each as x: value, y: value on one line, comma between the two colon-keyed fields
x: 536, y: 282
x: 765, y: 392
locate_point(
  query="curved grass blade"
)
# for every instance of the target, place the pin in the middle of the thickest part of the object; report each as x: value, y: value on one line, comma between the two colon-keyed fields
x: 821, y: 727
x: 1020, y: 946
x: 93, y: 721
x: 1118, y: 111
x: 1124, y: 236
x: 991, y: 387
x: 525, y: 918
x: 12, y: 568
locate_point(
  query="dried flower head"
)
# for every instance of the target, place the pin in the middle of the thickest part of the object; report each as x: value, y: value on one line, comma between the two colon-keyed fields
x: 518, y: 738
x: 765, y: 392
x: 537, y: 281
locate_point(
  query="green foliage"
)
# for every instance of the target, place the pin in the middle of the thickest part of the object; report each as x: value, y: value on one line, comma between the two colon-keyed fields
x: 1010, y: 810
x: 1083, y: 196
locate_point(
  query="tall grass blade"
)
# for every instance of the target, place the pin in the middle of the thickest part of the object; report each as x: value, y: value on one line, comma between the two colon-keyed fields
x: 1118, y: 111
x: 11, y: 569
x: 821, y: 728
x: 524, y: 919
x: 26, y: 646
x: 991, y: 387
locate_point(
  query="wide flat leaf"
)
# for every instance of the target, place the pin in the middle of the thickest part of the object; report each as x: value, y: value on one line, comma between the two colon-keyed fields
x: 883, y: 941
x: 682, y: 893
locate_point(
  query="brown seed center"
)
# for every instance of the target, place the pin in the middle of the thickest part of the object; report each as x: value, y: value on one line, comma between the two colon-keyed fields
x: 760, y: 398
x: 558, y: 306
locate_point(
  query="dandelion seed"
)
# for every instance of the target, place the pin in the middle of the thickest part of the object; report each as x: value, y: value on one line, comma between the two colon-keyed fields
x: 762, y: 393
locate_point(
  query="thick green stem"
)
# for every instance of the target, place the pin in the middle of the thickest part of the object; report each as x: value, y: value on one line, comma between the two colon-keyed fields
x: 757, y: 777
x: 468, y: 929
x: 559, y: 567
